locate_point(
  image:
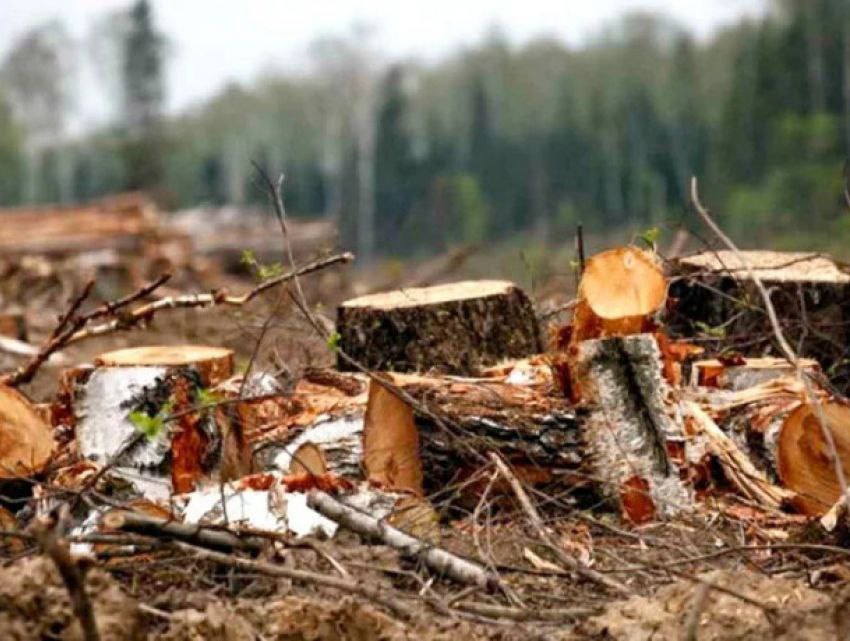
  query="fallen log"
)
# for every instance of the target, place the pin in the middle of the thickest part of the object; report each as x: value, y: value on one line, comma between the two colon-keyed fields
x: 441, y: 561
x: 632, y: 434
x: 535, y: 430
x: 456, y: 329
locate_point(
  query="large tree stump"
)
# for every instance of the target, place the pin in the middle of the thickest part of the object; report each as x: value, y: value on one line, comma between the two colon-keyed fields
x: 632, y: 434
x: 144, y: 409
x: 716, y: 299
x: 456, y: 328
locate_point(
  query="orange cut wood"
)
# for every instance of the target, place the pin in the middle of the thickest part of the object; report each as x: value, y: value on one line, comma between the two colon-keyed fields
x: 26, y: 440
x: 214, y: 364
x: 391, y: 442
x: 804, y: 459
x: 623, y: 283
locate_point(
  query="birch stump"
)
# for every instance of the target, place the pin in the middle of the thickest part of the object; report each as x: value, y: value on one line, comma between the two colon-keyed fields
x: 144, y: 409
x: 632, y: 434
x: 455, y: 329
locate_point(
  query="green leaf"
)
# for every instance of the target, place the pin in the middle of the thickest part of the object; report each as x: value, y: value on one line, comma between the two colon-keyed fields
x: 708, y: 330
x: 333, y: 341
x: 150, y: 426
x: 248, y: 258
x: 207, y: 398
x: 651, y: 236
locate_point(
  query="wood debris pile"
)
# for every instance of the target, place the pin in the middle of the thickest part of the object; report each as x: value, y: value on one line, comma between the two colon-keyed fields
x: 442, y: 398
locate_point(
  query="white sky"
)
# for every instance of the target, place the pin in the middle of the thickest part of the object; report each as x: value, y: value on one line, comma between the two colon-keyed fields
x: 214, y: 41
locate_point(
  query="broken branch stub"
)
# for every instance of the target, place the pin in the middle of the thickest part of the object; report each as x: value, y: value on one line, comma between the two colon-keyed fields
x: 456, y: 328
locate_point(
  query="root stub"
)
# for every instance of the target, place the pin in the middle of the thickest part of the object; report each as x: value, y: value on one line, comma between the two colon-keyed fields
x: 456, y: 328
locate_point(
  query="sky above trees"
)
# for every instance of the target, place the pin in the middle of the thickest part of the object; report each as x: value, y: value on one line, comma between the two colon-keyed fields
x: 213, y: 42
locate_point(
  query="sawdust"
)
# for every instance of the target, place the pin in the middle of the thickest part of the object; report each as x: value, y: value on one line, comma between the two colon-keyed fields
x: 801, y: 612
x: 34, y: 604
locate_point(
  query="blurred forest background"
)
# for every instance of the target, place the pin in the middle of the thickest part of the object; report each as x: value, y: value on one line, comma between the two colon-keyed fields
x: 495, y: 142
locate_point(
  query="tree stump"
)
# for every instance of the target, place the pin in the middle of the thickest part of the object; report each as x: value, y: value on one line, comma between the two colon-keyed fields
x: 145, y: 408
x: 715, y: 298
x: 620, y: 291
x: 632, y: 435
x: 455, y: 329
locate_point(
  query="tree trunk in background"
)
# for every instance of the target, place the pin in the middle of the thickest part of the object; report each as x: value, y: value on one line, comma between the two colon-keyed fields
x: 814, y: 53
x: 365, y: 170
x: 847, y: 78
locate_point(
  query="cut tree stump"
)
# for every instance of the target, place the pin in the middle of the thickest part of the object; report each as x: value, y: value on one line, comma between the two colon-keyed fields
x: 619, y: 292
x: 26, y: 440
x: 454, y: 329
x: 811, y: 294
x: 632, y: 433
x: 143, y: 408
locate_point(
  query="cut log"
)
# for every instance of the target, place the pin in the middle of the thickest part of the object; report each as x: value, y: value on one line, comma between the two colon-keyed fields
x: 26, y: 441
x: 715, y: 298
x: 633, y: 437
x: 391, y: 443
x: 121, y: 222
x: 144, y: 409
x: 456, y: 329
x: 804, y: 460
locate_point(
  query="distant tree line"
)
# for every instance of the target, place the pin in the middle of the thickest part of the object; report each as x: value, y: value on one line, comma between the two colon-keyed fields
x: 492, y: 142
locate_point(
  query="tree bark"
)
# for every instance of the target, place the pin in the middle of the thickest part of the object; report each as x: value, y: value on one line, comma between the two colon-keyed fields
x: 632, y: 432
